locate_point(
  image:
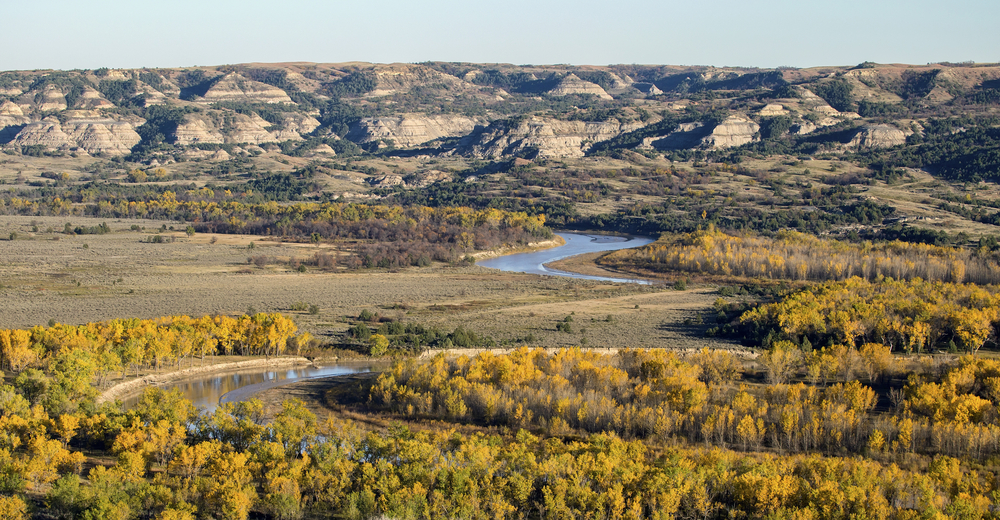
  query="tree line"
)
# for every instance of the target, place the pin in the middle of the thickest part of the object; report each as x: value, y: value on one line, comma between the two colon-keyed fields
x: 909, y: 316
x: 791, y: 255
x: 383, y: 236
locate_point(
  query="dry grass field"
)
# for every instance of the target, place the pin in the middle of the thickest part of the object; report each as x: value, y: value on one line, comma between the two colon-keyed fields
x: 77, y: 279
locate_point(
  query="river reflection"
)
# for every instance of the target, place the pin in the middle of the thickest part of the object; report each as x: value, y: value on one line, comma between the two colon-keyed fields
x: 576, y: 244
x: 206, y: 391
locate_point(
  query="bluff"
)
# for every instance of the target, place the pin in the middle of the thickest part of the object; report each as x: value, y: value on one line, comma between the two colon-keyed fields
x: 92, y: 135
x: 409, y: 130
x: 542, y: 136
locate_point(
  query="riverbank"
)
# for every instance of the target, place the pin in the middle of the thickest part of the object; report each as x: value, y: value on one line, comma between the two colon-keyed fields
x: 586, y: 264
x: 556, y: 241
x: 315, y: 394
x: 134, y: 386
x: 575, y: 244
x: 743, y: 353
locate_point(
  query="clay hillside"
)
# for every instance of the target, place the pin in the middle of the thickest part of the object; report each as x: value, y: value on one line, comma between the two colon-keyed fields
x: 480, y: 111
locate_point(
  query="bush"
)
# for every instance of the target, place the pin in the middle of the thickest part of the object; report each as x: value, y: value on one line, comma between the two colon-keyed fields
x: 378, y: 345
x: 360, y: 332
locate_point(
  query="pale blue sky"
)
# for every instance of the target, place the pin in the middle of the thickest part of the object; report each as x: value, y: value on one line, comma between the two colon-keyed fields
x: 68, y: 34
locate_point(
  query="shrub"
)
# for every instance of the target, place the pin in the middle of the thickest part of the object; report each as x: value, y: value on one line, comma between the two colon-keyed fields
x: 378, y: 345
x: 360, y: 332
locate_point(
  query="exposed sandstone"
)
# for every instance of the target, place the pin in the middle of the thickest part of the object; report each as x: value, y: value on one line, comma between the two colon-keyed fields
x: 772, y: 109
x: 251, y: 129
x: 387, y: 181
x: 424, y: 179
x: 619, y: 82
x: 647, y: 88
x: 686, y: 135
x: 571, y: 84
x: 241, y: 128
x: 734, y: 131
x: 12, y: 120
x: 877, y: 136
x: 92, y: 99
x: 196, y: 130
x: 107, y: 136
x: 321, y: 151
x: 400, y: 78
x: 415, y: 180
x: 52, y: 99
x: 551, y: 138
x: 295, y: 125
x: 802, y: 128
x: 9, y: 108
x: 151, y: 95
x: 939, y: 94
x: 195, y: 154
x: 233, y: 87
x: 47, y: 132
x: 411, y: 129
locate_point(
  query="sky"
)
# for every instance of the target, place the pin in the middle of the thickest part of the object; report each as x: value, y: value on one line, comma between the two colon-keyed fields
x: 75, y: 34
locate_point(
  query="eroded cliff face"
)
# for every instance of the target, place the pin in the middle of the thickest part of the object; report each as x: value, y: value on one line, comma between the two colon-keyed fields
x: 423, y: 103
x: 51, y: 98
x: 877, y: 136
x: 571, y: 84
x: 549, y: 137
x: 220, y: 128
x: 92, y: 99
x: 234, y: 87
x: 686, y: 135
x: 12, y: 120
x: 196, y: 130
x: 411, y: 129
x: 402, y: 79
x: 734, y: 131
x: 88, y: 133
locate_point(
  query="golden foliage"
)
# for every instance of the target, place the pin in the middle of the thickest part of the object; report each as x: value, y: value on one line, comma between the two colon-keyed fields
x: 795, y: 256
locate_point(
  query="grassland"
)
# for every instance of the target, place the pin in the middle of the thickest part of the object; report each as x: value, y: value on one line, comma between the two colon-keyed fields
x: 77, y: 279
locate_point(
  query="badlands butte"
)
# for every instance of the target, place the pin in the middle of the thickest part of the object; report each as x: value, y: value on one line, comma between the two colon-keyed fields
x: 864, y: 152
x: 480, y: 111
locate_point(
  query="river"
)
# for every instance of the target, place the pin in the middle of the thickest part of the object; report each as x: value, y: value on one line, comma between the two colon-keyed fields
x: 576, y: 244
x: 206, y: 392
